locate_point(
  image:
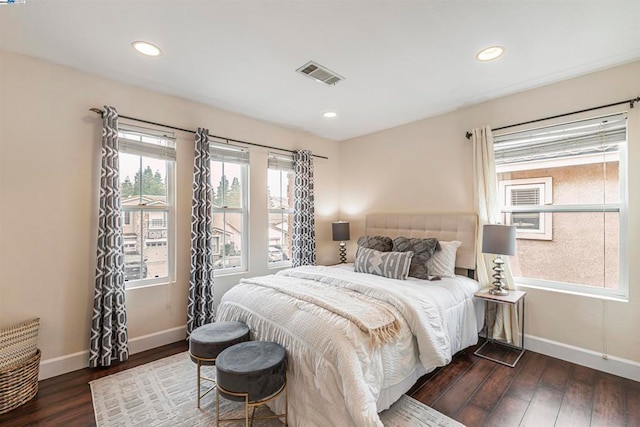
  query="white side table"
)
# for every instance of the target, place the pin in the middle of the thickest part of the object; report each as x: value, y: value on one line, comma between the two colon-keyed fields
x: 515, y: 299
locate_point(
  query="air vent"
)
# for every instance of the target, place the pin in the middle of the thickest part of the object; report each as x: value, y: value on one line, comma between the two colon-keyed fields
x: 319, y: 73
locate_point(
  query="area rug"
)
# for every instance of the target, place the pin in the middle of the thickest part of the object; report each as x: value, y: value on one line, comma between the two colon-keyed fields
x: 163, y: 394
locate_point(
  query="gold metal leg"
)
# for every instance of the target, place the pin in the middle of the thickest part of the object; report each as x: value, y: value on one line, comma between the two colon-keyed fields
x: 248, y: 404
x: 217, y: 408
x: 198, y: 381
x: 199, y: 377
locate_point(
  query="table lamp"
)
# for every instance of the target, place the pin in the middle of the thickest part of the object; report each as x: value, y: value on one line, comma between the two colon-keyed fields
x: 498, y: 240
x: 340, y: 231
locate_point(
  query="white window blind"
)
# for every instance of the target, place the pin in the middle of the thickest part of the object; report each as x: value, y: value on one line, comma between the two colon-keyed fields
x: 581, y: 138
x: 147, y: 142
x: 280, y: 162
x: 228, y: 153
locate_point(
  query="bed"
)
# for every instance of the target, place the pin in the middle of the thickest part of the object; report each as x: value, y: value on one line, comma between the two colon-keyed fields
x: 342, y: 372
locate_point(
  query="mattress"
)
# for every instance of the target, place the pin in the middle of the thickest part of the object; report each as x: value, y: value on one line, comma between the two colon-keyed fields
x: 336, y: 376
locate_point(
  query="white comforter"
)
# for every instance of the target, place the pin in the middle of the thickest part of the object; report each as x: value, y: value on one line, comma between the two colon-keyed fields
x: 335, y: 376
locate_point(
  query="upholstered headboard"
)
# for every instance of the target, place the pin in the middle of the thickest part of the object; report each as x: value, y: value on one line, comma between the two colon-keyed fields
x: 445, y: 227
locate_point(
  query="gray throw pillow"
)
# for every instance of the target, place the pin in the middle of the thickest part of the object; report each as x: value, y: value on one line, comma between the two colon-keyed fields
x: 394, y: 265
x: 422, y: 249
x: 378, y: 243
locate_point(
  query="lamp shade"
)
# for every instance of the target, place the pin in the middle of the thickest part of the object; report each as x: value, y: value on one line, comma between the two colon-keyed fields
x: 340, y: 231
x: 499, y: 239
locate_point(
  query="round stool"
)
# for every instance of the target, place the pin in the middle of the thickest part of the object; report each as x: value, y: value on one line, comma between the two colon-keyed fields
x: 208, y: 341
x: 253, y: 372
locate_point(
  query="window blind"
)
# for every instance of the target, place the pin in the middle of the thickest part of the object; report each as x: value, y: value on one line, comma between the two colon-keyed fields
x: 280, y: 162
x: 228, y: 153
x: 525, y: 196
x: 600, y: 135
x: 147, y: 142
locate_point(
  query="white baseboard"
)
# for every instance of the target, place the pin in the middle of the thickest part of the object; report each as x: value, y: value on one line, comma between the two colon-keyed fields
x: 80, y: 360
x: 581, y: 356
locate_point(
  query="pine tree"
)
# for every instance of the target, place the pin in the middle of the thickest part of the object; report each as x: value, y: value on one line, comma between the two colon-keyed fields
x: 152, y: 184
x: 126, y: 188
x: 222, y: 194
x: 235, y: 192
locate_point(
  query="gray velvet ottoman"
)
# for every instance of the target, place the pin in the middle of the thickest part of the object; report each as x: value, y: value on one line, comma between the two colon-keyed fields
x: 208, y: 341
x: 253, y: 372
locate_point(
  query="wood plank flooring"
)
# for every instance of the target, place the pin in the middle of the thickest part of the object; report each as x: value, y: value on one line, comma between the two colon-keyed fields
x: 540, y: 391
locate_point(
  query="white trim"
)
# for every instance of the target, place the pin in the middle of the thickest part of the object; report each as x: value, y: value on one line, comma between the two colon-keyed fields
x: 80, y: 360
x: 581, y: 356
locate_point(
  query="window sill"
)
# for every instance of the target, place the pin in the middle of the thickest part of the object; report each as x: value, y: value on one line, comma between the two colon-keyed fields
x: 227, y: 273
x: 149, y: 285
x: 566, y: 291
x: 278, y: 265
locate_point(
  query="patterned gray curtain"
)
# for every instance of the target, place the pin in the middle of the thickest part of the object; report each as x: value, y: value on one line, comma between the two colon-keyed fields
x: 200, y: 309
x: 304, y: 233
x: 109, y: 322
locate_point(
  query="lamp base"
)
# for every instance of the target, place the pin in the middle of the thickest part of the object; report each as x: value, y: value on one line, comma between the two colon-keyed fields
x: 499, y: 291
x: 343, y: 252
x: 498, y: 286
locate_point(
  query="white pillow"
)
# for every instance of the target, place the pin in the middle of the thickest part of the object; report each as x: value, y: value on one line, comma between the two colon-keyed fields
x: 443, y: 262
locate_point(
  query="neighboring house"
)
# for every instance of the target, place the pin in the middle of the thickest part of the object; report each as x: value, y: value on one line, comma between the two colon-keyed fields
x: 227, y: 233
x: 144, y: 237
x: 546, y: 240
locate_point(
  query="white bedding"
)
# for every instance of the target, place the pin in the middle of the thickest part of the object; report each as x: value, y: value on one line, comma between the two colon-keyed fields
x: 335, y: 376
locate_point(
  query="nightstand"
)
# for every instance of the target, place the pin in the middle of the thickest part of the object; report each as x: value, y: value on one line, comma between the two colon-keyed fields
x: 491, y: 348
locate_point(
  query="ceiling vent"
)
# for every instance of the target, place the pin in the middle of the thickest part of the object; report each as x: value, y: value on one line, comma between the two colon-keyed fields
x: 319, y: 73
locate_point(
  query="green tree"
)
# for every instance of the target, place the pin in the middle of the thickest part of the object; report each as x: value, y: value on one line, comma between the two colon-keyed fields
x: 235, y: 192
x: 152, y: 184
x: 222, y: 193
x: 126, y: 188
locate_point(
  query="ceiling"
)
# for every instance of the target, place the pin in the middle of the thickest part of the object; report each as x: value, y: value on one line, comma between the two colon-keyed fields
x: 403, y: 60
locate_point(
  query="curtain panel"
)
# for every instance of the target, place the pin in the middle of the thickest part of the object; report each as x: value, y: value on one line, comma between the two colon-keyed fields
x: 200, y: 308
x: 304, y: 233
x: 487, y: 206
x: 109, y: 340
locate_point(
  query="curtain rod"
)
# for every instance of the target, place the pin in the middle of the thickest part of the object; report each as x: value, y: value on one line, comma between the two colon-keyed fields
x: 99, y: 111
x: 628, y: 101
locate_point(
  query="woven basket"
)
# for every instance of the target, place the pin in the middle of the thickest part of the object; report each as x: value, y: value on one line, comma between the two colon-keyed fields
x: 19, y: 383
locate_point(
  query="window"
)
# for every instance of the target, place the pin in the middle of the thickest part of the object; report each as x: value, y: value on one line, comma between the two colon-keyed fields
x: 575, y: 241
x: 229, y: 172
x: 147, y: 170
x: 527, y: 192
x: 280, y: 182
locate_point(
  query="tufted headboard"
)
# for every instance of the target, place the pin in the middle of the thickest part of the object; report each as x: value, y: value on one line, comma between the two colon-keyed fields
x: 445, y: 227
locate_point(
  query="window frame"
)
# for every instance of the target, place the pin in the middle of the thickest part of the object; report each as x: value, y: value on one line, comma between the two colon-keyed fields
x: 278, y: 162
x: 145, y: 149
x: 622, y: 291
x: 218, y: 155
x: 545, y: 184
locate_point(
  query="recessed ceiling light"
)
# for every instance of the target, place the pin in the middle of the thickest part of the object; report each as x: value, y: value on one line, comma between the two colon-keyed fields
x: 490, y: 53
x: 329, y: 114
x: 146, y: 48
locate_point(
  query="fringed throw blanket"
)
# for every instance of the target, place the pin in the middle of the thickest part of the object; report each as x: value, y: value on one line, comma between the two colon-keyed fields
x: 378, y: 319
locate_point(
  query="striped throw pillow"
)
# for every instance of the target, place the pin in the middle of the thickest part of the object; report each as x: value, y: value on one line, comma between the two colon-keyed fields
x: 394, y: 265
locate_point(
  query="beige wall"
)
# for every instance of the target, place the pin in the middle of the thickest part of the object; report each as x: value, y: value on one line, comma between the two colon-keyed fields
x: 49, y: 165
x: 426, y: 166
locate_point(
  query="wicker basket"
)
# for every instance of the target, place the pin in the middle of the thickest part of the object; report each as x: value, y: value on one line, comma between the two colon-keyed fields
x: 19, y: 383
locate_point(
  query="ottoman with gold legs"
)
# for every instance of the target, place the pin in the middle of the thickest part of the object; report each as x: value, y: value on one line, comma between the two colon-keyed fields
x: 208, y: 341
x: 253, y: 372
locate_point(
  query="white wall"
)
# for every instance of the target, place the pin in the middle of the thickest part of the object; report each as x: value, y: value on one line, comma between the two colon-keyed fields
x: 426, y: 166
x: 49, y: 167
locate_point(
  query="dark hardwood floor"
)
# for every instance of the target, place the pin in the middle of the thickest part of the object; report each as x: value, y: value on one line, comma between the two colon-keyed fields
x: 540, y: 391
